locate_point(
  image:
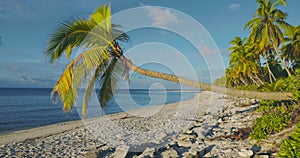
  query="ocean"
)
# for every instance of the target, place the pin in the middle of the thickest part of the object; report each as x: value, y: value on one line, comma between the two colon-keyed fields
x: 25, y: 108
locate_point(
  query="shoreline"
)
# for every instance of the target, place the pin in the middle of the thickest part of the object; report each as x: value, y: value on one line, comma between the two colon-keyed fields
x: 205, y: 125
x: 76, y: 117
x: 47, y: 130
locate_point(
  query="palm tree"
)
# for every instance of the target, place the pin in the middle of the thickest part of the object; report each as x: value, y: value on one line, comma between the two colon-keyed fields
x: 265, y: 27
x: 244, y: 61
x: 291, y: 47
x: 99, y: 60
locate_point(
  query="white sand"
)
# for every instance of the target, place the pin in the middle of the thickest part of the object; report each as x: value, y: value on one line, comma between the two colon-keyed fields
x: 149, y: 126
x: 159, y: 112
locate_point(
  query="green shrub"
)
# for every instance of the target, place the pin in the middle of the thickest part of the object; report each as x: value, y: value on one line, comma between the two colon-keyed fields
x: 273, y: 106
x: 276, y: 116
x: 269, y: 123
x: 292, y: 84
x: 291, y: 147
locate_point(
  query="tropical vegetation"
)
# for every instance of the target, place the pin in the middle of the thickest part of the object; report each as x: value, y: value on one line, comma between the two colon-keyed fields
x: 267, y: 63
x: 290, y: 147
x: 269, y: 53
x: 276, y: 115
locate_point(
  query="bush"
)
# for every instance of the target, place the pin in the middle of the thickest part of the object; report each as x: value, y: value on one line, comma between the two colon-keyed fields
x: 276, y: 116
x: 292, y: 84
x: 268, y: 124
x: 291, y: 147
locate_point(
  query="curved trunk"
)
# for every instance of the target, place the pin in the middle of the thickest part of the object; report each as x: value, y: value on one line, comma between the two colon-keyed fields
x: 209, y: 87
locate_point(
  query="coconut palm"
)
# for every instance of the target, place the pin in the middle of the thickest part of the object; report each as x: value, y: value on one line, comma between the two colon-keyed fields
x: 291, y: 47
x: 99, y: 39
x: 265, y: 27
x: 244, y: 61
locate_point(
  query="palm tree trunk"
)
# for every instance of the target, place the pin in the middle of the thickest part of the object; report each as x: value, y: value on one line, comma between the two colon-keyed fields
x: 277, y: 53
x: 258, y: 79
x: 244, y: 82
x: 270, y: 72
x: 253, y: 79
x: 209, y: 87
x: 281, y: 61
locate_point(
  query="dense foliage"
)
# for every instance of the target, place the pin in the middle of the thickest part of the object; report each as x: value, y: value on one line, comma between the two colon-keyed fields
x: 270, y: 52
x: 268, y: 61
x: 291, y: 147
x: 288, y: 84
x: 276, y: 115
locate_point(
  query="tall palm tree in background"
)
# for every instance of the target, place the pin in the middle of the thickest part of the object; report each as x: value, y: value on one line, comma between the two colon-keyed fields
x: 291, y: 46
x: 266, y: 27
x: 100, y: 39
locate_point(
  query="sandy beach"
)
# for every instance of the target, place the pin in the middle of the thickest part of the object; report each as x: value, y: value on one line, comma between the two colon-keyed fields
x: 204, y: 125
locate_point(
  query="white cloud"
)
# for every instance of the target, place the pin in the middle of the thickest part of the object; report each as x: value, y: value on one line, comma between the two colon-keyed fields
x: 234, y: 6
x: 161, y: 17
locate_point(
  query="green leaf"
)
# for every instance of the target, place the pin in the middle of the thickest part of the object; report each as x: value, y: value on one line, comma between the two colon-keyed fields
x: 108, y: 83
x: 102, y: 16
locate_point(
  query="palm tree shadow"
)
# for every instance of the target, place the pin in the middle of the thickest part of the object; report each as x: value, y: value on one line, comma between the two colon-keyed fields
x: 105, y: 153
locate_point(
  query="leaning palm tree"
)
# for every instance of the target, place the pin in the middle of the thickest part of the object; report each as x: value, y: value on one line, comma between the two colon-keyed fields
x: 265, y: 27
x: 99, y: 39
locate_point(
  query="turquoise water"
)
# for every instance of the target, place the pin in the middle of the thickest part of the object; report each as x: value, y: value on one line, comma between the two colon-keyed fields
x: 24, y: 108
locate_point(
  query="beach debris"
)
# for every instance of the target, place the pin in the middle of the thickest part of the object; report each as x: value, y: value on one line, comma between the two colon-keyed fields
x: 245, y: 153
x: 121, y: 151
x: 184, y: 143
x: 169, y: 153
x: 148, y: 152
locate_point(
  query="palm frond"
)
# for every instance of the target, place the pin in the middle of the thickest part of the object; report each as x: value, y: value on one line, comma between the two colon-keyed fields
x: 120, y: 35
x: 77, y: 70
x: 278, y: 14
x: 102, y: 16
x: 66, y: 37
x: 283, y: 24
x: 64, y: 89
x: 80, y: 33
x: 89, y: 89
x: 251, y: 22
x: 108, y: 83
x: 277, y: 3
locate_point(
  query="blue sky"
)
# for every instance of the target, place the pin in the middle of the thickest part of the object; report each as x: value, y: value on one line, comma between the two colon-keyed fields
x: 25, y: 26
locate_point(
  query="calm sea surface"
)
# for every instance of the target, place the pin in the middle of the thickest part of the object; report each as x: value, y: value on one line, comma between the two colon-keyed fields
x: 24, y: 108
